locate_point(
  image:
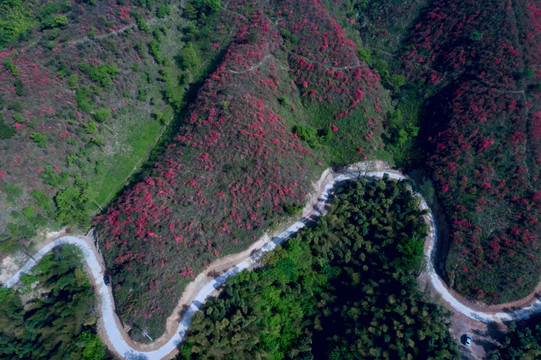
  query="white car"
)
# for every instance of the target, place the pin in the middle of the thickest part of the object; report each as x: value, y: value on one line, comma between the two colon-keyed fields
x: 467, y: 340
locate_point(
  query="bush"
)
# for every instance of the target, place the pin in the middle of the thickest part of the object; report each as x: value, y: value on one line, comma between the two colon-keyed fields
x: 91, y: 127
x: 40, y: 139
x: 10, y: 66
x: 18, y: 118
x: 43, y: 200
x: 72, y: 81
x: 163, y: 11
x: 6, y: 131
x: 102, y: 115
x: 104, y: 74
x: 189, y: 59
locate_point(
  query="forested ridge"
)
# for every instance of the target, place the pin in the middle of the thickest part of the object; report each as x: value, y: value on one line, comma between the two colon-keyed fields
x: 344, y: 288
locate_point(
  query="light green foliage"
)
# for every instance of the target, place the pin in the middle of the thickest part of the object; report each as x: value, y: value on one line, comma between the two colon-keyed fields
x: 83, y: 97
x: 52, y: 177
x: 61, y: 20
x: 28, y: 212
x: 154, y: 50
x: 10, y: 66
x: 18, y: 118
x: 15, y: 20
x: 104, y: 74
x: 91, y: 127
x: 11, y: 191
x: 43, y: 200
x: 71, y: 206
x: 39, y: 139
x: 91, y: 345
x: 365, y: 55
x: 102, y: 115
x: 312, y: 136
x: 141, y: 23
x: 72, y: 81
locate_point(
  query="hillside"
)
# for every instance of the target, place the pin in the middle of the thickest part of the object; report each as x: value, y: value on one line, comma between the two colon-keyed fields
x: 483, y: 140
x: 235, y: 166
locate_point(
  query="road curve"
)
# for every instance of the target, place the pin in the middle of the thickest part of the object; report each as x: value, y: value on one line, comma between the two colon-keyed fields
x: 110, y: 319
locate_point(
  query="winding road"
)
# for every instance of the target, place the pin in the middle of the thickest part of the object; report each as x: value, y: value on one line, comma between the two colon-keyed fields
x: 116, y: 334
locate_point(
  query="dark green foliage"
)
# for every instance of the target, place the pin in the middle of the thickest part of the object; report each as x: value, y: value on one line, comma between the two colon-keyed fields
x: 163, y: 10
x: 58, y: 323
x: 523, y: 341
x: 6, y: 131
x: 343, y: 289
x: 19, y: 87
x: 83, y: 98
x: 197, y: 9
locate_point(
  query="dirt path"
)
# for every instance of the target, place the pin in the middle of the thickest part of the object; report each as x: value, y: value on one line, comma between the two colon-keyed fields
x: 114, y: 334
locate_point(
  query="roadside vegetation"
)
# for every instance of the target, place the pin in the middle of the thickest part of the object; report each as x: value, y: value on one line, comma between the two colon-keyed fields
x: 343, y: 288
x: 50, y: 313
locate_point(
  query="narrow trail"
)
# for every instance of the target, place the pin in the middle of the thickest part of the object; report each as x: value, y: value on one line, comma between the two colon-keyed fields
x: 203, y: 286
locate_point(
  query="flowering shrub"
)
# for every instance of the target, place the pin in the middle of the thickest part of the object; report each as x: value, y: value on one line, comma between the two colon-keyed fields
x: 484, y: 140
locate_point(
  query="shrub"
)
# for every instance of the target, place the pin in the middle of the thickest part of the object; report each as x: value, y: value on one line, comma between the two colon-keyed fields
x: 10, y: 66
x: 72, y: 81
x: 6, y: 131
x: 28, y: 212
x: 39, y: 138
x: 18, y: 118
x: 104, y: 74
x: 43, y: 200
x: 102, y: 115
x: 163, y: 11
x: 91, y: 127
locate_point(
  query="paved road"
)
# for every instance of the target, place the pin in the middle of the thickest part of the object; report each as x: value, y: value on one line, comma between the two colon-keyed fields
x: 112, y: 324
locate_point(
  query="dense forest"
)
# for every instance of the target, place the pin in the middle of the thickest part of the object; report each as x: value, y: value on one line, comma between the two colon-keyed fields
x: 523, y: 341
x: 50, y: 314
x: 343, y: 288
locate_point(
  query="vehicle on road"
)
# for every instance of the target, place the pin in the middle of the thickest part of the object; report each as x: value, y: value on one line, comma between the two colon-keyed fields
x: 467, y: 340
x: 106, y: 280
